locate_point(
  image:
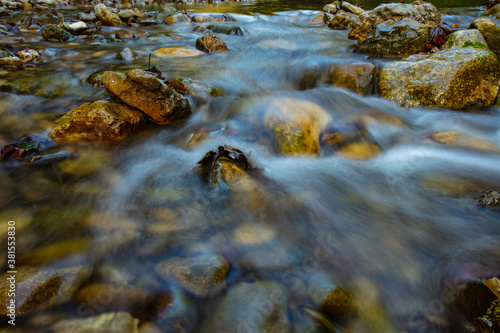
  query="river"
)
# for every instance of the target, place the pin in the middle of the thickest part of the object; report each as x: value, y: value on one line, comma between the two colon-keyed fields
x: 396, y: 230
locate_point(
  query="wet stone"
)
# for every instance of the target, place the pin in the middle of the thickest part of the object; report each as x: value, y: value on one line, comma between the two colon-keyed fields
x: 176, y: 311
x: 127, y: 14
x: 54, y: 33
x: 86, y: 16
x: 251, y: 307
x: 107, y: 16
x: 127, y: 54
x: 489, y: 199
x: 78, y: 27
x: 202, y: 275
x: 490, y: 31
x: 210, y: 43
x: 177, y: 18
x: 119, y: 322
x: 11, y: 61
x: 124, y: 34
x: 176, y: 51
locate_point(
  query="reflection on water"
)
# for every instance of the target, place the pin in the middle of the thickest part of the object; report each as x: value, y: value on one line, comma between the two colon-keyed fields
x: 391, y: 228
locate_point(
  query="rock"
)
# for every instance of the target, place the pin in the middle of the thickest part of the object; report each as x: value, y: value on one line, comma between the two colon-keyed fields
x: 107, y: 16
x: 332, y: 299
x: 490, y: 31
x: 78, y: 27
x: 4, y: 12
x: 201, y: 18
x: 318, y: 18
x: 177, y: 18
x: 225, y: 29
x: 99, y: 121
x: 126, y: 54
x: 124, y: 34
x: 454, y: 79
x: 295, y: 125
x: 176, y: 51
x: 489, y: 199
x: 86, y: 16
x: 176, y: 311
x: 190, y: 87
x: 40, y: 289
x: 359, y: 150
x: 493, y: 11
x: 118, y: 322
x: 202, y: 275
x: 351, y: 8
x: 100, y: 298
x: 342, y: 20
x: 11, y: 61
x: 54, y: 33
x: 462, y: 140
x: 127, y: 14
x: 364, y: 27
x: 225, y: 168
x: 466, y: 38
x: 254, y: 234
x: 331, y: 8
x: 356, y: 76
x: 48, y: 158
x: 149, y: 94
x: 251, y: 307
x: 210, y: 43
x: 403, y: 38
x: 28, y: 54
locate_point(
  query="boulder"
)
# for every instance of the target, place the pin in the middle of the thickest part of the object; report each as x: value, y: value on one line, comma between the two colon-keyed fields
x: 367, y: 21
x: 295, y: 125
x: 99, y: 121
x: 251, y: 307
x: 210, y: 43
x: 145, y: 91
x: 203, y: 275
x: 454, y: 78
x: 490, y: 32
x: 466, y: 38
x: 113, y: 322
x: 107, y: 16
x: 177, y: 18
x: 393, y: 38
x: 54, y: 33
x: 39, y: 289
x: 341, y: 20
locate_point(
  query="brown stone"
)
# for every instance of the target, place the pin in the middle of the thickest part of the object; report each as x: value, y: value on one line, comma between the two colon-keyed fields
x: 149, y: 94
x: 210, y: 43
x: 97, y: 121
x: 124, y: 34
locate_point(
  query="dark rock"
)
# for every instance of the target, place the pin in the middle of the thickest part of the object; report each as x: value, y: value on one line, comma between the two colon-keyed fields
x: 225, y: 29
x: 98, y: 121
x: 202, y: 275
x: 124, y: 34
x: 489, y: 199
x: 54, y: 33
x: 251, y: 307
x: 149, y: 94
x: 210, y: 43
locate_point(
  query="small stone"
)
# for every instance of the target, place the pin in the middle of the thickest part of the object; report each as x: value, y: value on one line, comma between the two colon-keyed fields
x: 489, y: 199
x: 99, y: 121
x: 107, y: 16
x: 177, y: 18
x: 210, y: 43
x: 360, y: 151
x: 118, y: 322
x: 202, y: 275
x: 351, y: 8
x: 330, y: 8
x: 126, y: 54
x: 54, y: 33
x: 78, y: 27
x: 10, y: 61
x: 124, y: 34
x: 127, y: 14
x: 86, y: 16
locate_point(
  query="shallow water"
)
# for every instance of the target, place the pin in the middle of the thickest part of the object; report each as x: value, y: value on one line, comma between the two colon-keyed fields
x: 401, y: 225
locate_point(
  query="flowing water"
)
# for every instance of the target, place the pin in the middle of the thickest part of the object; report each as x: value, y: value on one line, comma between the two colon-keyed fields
x: 395, y: 229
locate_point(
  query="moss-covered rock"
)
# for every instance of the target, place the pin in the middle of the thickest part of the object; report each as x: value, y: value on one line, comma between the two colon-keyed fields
x: 424, y: 13
x: 295, y: 125
x: 454, y: 79
x: 341, y: 20
x: 393, y: 38
x: 493, y: 11
x: 55, y: 33
x: 202, y: 275
x: 251, y: 307
x: 37, y: 290
x: 490, y: 31
x: 466, y: 38
x: 148, y: 93
x: 99, y: 121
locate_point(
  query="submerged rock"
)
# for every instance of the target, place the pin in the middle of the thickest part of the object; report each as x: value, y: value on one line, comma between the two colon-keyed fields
x: 396, y: 38
x: 454, y: 79
x: 126, y: 54
x: 119, y: 322
x: 124, y: 34
x: 86, y: 16
x: 202, y: 275
x: 210, y: 43
x: 40, y: 289
x: 55, y: 33
x: 332, y: 299
x: 107, y: 16
x: 99, y: 121
x: 225, y: 29
x: 145, y: 91
x: 295, y: 125
x: 176, y: 311
x: 176, y: 51
x: 226, y: 167
x: 177, y: 18
x: 367, y: 21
